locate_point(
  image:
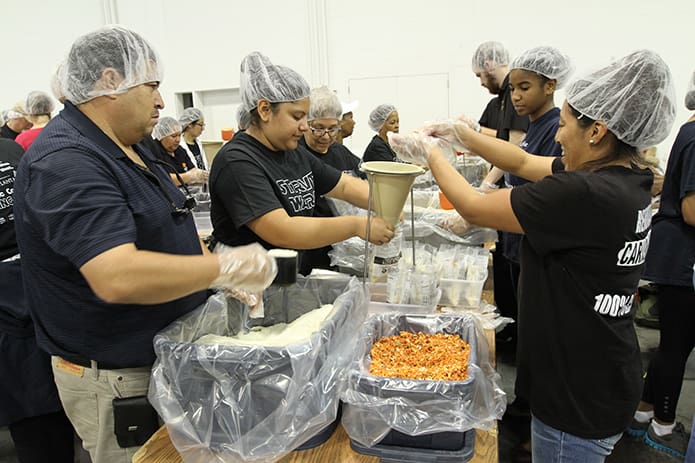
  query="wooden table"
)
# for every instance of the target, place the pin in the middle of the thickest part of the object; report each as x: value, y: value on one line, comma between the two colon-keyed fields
x: 337, y: 449
x: 159, y: 449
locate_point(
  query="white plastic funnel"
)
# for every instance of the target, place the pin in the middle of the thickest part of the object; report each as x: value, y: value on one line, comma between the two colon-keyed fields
x: 391, y: 182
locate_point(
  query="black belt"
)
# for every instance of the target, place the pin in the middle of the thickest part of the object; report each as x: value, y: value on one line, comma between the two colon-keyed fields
x: 83, y: 362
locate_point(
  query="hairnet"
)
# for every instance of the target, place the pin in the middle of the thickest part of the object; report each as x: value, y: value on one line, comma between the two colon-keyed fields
x: 12, y: 114
x: 378, y: 116
x: 324, y: 104
x: 189, y: 116
x: 38, y: 103
x: 546, y: 61
x: 243, y: 117
x: 690, y: 96
x: 165, y: 126
x: 634, y: 96
x: 489, y: 56
x: 57, y: 84
x: 109, y: 47
x: 262, y: 79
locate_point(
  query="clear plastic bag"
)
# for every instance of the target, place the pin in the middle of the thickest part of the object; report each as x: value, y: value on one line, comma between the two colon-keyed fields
x: 246, y: 403
x: 373, y: 406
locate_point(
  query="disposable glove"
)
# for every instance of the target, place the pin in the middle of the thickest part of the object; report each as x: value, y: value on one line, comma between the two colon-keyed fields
x: 196, y: 175
x: 447, y: 130
x: 454, y: 223
x: 413, y: 147
x: 486, y: 187
x: 253, y: 300
x: 247, y: 268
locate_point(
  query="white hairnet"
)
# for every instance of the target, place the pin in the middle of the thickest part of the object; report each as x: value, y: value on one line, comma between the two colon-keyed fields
x: 109, y: 47
x: 350, y: 107
x: 57, y: 84
x: 189, y: 116
x: 262, y: 79
x: 634, y: 96
x: 243, y: 117
x: 546, y: 61
x: 166, y: 126
x: 489, y: 56
x: 38, y: 103
x: 12, y: 114
x: 378, y: 116
x: 690, y: 96
x: 324, y: 104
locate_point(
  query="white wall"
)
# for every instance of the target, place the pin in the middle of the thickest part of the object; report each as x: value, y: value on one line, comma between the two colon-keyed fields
x: 336, y: 43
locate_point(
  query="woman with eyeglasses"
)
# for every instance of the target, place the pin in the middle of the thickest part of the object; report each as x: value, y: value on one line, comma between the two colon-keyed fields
x: 165, y: 146
x: 383, y: 119
x: 192, y: 125
x: 586, y: 221
x: 263, y: 189
x: 320, y: 141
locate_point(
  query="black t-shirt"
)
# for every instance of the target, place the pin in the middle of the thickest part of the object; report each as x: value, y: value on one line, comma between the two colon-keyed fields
x: 10, y: 153
x: 672, y: 248
x: 490, y: 116
x: 180, y: 162
x: 379, y: 150
x: 6, y: 132
x: 586, y: 237
x: 248, y: 180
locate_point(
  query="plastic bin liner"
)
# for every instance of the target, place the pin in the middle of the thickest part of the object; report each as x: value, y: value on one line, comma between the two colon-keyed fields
x: 373, y: 406
x: 246, y: 403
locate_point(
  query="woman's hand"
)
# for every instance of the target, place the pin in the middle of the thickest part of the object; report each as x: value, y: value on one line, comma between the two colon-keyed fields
x: 380, y: 232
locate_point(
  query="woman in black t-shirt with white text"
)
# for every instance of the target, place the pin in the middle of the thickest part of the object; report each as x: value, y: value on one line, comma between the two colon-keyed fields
x: 586, y: 224
x: 263, y: 189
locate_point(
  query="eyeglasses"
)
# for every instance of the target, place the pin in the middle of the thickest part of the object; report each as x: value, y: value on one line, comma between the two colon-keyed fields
x: 318, y: 133
x: 202, y: 126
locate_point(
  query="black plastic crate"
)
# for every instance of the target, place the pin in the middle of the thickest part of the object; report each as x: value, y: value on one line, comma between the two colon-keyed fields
x: 407, y: 454
x: 435, y: 397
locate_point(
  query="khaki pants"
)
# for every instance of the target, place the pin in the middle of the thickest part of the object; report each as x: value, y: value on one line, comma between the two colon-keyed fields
x: 86, y: 394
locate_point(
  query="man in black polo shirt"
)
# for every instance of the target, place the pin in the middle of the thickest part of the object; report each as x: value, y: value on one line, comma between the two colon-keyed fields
x: 110, y: 254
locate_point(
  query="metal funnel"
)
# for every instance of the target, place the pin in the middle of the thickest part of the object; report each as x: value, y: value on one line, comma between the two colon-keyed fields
x: 390, y: 184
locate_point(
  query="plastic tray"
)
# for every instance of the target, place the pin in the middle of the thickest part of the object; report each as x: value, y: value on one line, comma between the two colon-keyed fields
x: 269, y: 366
x: 461, y: 293
x: 322, y: 436
x: 378, y: 303
x: 402, y: 454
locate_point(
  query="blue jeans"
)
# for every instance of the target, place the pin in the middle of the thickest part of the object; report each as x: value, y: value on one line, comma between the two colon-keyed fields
x: 551, y: 445
x: 690, y: 454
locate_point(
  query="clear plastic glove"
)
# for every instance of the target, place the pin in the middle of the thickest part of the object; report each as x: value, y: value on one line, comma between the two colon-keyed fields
x: 454, y: 223
x: 414, y: 147
x: 469, y: 121
x: 253, y: 300
x: 487, y: 187
x: 247, y: 268
x: 196, y: 175
x: 448, y: 130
